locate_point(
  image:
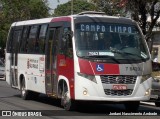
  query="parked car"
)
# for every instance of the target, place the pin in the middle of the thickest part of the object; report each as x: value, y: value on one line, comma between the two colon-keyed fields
x: 155, y: 66
x: 2, y: 70
x: 155, y: 92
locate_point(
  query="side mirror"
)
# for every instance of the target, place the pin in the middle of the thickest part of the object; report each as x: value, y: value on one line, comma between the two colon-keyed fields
x: 67, y: 37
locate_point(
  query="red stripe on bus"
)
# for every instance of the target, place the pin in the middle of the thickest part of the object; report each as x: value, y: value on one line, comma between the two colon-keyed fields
x: 61, y: 19
x: 91, y: 68
x: 85, y: 66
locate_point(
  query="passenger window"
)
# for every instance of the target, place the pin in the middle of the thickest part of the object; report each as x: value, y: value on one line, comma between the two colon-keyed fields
x: 9, y: 43
x: 14, y: 39
x: 23, y: 41
x: 40, y: 44
x: 31, y: 41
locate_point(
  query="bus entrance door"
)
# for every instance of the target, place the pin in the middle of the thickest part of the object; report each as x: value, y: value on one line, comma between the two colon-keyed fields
x: 51, y: 62
x: 14, y: 57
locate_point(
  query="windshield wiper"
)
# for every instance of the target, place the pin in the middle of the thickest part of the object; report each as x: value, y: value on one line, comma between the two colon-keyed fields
x: 114, y: 50
x: 86, y: 57
x: 95, y: 57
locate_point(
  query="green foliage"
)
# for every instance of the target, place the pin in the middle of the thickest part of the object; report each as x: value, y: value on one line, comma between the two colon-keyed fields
x: 139, y: 10
x: 78, y: 6
x: 110, y: 7
x: 38, y: 9
x: 18, y: 10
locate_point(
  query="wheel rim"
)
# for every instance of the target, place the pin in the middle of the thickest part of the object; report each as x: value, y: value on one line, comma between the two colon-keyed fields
x: 66, y: 100
x: 23, y: 89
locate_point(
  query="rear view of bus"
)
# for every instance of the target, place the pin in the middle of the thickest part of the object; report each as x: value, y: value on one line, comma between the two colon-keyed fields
x: 112, y: 60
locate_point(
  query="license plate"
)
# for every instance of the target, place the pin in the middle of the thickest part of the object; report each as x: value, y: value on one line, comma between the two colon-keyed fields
x: 119, y: 87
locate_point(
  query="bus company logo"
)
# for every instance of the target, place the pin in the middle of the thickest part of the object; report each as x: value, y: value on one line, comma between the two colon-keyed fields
x: 100, y: 67
x: 6, y: 113
x: 119, y: 79
x: 41, y: 58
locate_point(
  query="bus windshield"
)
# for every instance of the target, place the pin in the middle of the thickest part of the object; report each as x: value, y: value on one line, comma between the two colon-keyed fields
x: 107, y: 40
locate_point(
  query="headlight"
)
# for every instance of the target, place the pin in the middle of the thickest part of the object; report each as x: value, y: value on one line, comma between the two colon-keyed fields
x: 145, y: 77
x: 90, y: 77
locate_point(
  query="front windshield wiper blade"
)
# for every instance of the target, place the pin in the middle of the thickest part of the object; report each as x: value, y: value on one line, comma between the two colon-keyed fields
x: 86, y: 57
x: 114, y: 50
x: 95, y: 57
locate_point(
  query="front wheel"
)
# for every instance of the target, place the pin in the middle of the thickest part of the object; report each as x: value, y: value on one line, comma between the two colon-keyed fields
x: 66, y: 101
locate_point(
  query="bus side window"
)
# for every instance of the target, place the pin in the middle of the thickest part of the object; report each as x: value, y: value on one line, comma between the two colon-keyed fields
x: 41, y: 39
x: 32, y: 39
x: 9, y: 42
x: 14, y: 39
x: 56, y: 40
x: 23, y: 41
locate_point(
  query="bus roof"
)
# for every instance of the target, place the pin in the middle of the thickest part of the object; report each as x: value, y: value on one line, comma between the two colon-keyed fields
x: 104, y: 18
x: 41, y: 21
x: 35, y: 21
x: 68, y: 18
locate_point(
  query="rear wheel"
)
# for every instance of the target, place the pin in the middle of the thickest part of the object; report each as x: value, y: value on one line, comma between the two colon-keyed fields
x: 25, y: 94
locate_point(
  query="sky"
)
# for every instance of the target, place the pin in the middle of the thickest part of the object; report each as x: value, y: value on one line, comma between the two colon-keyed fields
x: 53, y: 3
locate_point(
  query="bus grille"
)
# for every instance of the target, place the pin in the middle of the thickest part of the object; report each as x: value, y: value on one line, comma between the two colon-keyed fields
x: 118, y: 92
x: 122, y: 79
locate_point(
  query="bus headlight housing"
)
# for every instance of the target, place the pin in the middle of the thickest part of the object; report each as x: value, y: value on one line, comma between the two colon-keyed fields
x: 145, y: 77
x: 90, y: 77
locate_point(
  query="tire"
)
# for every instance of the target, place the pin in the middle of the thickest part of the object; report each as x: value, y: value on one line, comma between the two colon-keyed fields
x: 25, y: 94
x: 132, y: 106
x: 67, y: 103
x: 157, y: 104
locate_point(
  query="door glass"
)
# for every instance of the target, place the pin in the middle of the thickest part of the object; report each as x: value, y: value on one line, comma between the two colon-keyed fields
x: 49, y: 87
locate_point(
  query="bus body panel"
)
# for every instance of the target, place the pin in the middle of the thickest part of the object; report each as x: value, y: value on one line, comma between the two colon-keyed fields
x: 65, y: 67
x: 33, y: 70
x: 114, y: 69
x: 7, y: 68
x: 95, y: 92
x: 102, y: 89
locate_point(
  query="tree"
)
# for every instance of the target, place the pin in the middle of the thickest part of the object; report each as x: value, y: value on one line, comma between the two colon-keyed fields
x: 18, y: 10
x: 24, y: 9
x: 110, y: 7
x: 38, y: 9
x: 78, y: 6
x: 140, y: 10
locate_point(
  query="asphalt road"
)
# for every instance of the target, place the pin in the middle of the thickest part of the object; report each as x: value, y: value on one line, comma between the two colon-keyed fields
x: 11, y: 101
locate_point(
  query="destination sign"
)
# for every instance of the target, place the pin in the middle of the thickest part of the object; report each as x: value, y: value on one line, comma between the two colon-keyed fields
x: 106, y: 28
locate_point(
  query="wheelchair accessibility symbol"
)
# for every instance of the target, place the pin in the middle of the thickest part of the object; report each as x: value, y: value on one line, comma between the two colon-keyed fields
x: 100, y: 67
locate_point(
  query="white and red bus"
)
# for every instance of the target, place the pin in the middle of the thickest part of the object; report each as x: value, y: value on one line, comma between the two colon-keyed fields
x: 84, y: 57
